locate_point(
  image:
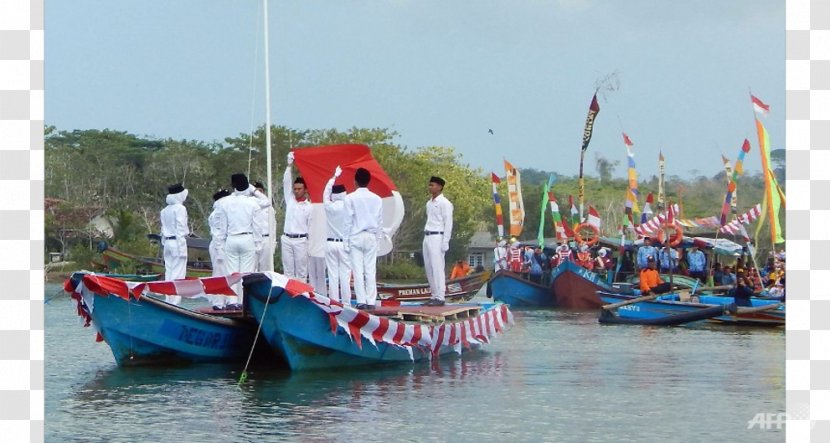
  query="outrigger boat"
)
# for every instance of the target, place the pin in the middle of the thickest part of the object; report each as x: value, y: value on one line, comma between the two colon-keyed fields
x: 516, y: 291
x: 143, y: 330
x: 458, y: 290
x: 312, y: 332
x: 661, y: 309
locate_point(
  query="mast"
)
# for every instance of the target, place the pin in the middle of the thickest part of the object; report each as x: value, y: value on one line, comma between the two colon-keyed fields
x: 269, y: 189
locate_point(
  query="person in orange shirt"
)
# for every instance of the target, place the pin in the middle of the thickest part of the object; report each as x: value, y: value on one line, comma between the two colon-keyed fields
x: 460, y: 269
x: 650, y: 281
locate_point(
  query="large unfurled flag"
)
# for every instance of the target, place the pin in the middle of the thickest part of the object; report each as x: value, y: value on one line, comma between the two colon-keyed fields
x: 561, y: 234
x: 593, y: 217
x: 759, y: 106
x: 497, y: 202
x: 772, y: 194
x: 647, y: 212
x: 540, y: 237
x: 514, y: 198
x: 633, y: 194
x: 661, y: 193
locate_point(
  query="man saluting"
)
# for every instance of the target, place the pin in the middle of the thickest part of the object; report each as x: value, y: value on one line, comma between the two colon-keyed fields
x: 437, y: 233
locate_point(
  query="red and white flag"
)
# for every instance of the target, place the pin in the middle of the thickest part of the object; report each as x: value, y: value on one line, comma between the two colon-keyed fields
x: 593, y: 217
x: 759, y: 106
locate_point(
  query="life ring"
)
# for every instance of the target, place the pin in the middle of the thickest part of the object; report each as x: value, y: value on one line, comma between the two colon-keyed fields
x: 578, y: 236
x: 675, y: 239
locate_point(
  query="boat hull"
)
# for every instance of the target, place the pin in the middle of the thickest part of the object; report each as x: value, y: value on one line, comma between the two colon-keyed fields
x: 460, y: 289
x: 152, y: 332
x: 668, y: 305
x: 575, y: 287
x: 510, y: 288
x: 302, y: 334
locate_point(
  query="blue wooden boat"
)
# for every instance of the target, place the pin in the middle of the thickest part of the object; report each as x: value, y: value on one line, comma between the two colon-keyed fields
x: 312, y: 332
x: 575, y: 287
x: 510, y: 288
x: 143, y: 330
x: 765, y: 313
x: 625, y: 317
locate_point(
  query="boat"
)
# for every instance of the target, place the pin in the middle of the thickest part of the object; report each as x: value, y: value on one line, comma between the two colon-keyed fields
x: 114, y: 260
x: 762, y: 313
x: 312, y: 332
x: 627, y: 313
x: 575, y: 287
x: 458, y: 290
x: 143, y: 330
x: 516, y: 291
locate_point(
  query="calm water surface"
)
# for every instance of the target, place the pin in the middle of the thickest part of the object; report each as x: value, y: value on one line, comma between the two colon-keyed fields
x: 556, y: 376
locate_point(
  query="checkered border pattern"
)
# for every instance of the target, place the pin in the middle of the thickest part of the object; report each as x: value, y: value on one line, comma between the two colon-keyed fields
x: 21, y: 220
x: 21, y: 213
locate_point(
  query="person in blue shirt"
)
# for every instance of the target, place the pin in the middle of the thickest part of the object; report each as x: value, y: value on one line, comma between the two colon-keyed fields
x: 668, y: 260
x: 729, y: 277
x: 644, y: 252
x: 538, y: 264
x: 697, y: 263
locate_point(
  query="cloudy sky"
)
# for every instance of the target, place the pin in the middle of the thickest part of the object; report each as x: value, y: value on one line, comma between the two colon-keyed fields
x: 437, y: 72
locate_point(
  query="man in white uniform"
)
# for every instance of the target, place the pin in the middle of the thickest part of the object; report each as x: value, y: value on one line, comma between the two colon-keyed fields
x: 241, y: 233
x: 364, y: 223
x: 267, y: 221
x: 337, y: 261
x: 437, y: 233
x: 217, y: 224
x: 297, y: 221
x: 500, y: 256
x: 174, y: 232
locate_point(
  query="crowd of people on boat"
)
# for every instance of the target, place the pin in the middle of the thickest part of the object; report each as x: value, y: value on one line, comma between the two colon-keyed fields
x: 651, y: 260
x: 243, y: 236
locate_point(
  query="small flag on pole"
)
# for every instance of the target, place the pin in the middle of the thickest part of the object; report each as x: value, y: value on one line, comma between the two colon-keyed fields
x: 759, y: 106
x: 593, y: 217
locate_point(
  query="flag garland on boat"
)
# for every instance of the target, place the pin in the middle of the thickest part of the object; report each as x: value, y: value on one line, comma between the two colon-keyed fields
x: 653, y: 225
x: 734, y: 227
x: 497, y: 202
x: 514, y: 198
x: 359, y: 323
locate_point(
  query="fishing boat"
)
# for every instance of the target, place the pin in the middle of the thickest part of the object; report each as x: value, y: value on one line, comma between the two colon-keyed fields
x: 575, y: 287
x: 458, y: 290
x: 113, y: 260
x: 141, y: 329
x: 312, y: 332
x: 761, y: 313
x: 511, y: 288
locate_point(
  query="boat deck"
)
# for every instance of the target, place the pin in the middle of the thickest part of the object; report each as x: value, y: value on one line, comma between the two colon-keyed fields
x: 427, y: 314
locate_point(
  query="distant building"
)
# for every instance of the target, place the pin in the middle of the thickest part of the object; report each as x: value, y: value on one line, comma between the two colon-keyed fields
x: 480, y: 251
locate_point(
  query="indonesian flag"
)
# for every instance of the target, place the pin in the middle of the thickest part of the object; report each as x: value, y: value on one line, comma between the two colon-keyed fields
x: 593, y: 217
x: 759, y: 106
x: 316, y: 165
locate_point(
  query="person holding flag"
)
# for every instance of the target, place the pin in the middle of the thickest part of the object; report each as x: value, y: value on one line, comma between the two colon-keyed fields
x: 364, y: 225
x: 297, y: 221
x: 337, y: 260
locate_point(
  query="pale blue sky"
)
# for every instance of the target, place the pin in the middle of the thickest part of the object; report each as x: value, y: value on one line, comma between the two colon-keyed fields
x: 438, y: 72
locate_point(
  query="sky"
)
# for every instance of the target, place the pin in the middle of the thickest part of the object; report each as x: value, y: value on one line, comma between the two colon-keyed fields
x: 439, y: 73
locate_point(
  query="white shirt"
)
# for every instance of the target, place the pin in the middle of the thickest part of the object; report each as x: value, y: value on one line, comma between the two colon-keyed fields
x: 439, y: 217
x: 239, y: 210
x: 217, y: 222
x: 364, y: 211
x: 174, y: 216
x: 335, y: 207
x: 267, y: 226
x: 297, y: 214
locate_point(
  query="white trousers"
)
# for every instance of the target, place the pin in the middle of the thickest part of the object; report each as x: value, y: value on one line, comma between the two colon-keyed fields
x: 265, y: 256
x: 175, y: 266
x: 363, y: 255
x: 240, y: 253
x: 434, y: 266
x: 339, y: 271
x: 219, y: 264
x: 295, y: 257
x: 317, y: 274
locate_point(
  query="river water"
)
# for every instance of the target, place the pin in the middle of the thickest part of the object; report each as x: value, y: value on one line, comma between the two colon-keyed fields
x: 556, y: 376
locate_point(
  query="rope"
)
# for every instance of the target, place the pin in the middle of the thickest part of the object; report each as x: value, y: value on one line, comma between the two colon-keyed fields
x: 244, y: 375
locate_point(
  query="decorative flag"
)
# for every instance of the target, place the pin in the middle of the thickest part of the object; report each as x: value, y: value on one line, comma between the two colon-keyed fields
x: 593, y: 217
x: 727, y: 167
x: 661, y: 194
x: 772, y: 195
x: 593, y: 110
x: 561, y: 234
x: 497, y: 202
x: 759, y: 106
x: 514, y: 198
x: 633, y: 194
x: 732, y: 183
x: 574, y: 212
x: 647, y: 212
x: 540, y: 237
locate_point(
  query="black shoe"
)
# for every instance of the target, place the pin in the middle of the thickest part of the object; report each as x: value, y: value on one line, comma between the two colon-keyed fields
x: 360, y: 306
x: 233, y: 307
x: 218, y: 308
x: 434, y: 302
